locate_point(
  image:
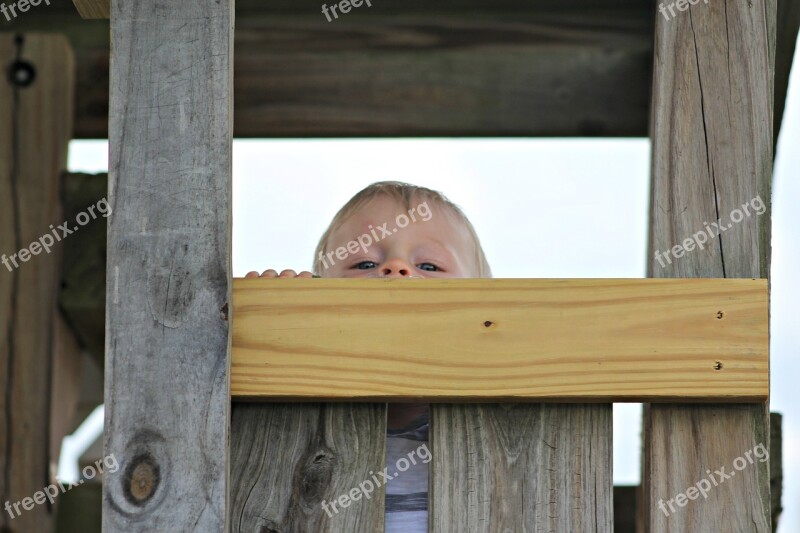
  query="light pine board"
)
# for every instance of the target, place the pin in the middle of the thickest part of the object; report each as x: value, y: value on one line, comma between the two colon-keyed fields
x: 168, y: 271
x: 712, y: 152
x: 35, y: 129
x: 466, y: 340
x: 287, y: 458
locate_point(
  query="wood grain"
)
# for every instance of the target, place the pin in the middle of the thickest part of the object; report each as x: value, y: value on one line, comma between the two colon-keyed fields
x: 68, y: 366
x: 525, y: 73
x: 521, y: 468
x: 440, y: 340
x: 169, y: 235
x: 287, y: 458
x: 93, y: 9
x: 35, y: 128
x: 580, y: 93
x: 415, y: 68
x: 245, y: 7
x: 712, y: 152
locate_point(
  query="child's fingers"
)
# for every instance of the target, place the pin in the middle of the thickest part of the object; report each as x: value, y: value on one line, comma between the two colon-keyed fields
x: 272, y: 273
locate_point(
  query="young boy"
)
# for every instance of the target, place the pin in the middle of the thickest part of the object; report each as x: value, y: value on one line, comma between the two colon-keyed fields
x: 397, y: 230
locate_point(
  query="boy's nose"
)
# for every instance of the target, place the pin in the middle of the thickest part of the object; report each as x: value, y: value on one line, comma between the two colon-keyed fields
x: 396, y: 268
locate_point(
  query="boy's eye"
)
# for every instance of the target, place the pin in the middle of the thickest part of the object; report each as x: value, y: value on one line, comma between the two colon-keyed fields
x: 366, y: 265
x: 430, y: 267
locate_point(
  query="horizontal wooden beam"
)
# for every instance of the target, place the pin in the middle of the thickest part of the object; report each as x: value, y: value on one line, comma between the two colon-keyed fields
x: 416, y: 68
x: 573, y: 340
x: 441, y: 69
x: 100, y: 8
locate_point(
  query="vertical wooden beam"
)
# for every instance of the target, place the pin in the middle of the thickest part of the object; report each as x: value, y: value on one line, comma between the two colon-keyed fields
x: 287, y: 458
x: 776, y: 466
x: 521, y: 467
x: 68, y: 361
x: 168, y: 272
x: 712, y: 153
x: 36, y: 126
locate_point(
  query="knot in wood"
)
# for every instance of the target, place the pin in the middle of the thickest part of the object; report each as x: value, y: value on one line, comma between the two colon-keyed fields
x: 142, y: 477
x: 316, y: 474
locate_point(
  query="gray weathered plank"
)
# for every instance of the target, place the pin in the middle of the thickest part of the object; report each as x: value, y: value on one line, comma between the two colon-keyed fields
x: 452, y: 74
x: 521, y: 467
x: 168, y: 274
x: 495, y: 68
x: 35, y: 129
x: 287, y: 458
x: 712, y: 152
x: 615, y: 42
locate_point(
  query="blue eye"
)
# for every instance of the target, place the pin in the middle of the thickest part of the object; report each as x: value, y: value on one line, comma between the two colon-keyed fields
x: 366, y: 265
x: 424, y: 266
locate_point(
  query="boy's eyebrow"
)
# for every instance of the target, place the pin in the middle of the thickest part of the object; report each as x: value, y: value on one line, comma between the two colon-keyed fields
x: 447, y: 249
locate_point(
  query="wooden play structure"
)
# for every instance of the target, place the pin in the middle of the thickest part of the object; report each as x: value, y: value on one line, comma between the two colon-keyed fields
x: 228, y: 411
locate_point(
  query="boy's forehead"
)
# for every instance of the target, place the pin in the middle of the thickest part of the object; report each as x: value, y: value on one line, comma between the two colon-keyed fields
x: 432, y: 219
x: 384, y: 210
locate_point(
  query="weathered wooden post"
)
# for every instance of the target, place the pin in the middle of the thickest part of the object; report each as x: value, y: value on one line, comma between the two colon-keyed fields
x: 35, y: 128
x: 168, y: 270
x: 712, y: 153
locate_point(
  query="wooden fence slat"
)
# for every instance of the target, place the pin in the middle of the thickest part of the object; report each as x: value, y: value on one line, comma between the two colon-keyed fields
x: 35, y: 129
x: 168, y: 272
x: 521, y: 467
x: 287, y: 458
x: 712, y: 153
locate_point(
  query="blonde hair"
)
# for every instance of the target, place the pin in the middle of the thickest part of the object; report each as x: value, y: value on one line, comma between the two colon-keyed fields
x: 403, y: 193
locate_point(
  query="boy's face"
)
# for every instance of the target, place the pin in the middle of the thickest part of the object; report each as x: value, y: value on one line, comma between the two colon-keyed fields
x: 433, y: 244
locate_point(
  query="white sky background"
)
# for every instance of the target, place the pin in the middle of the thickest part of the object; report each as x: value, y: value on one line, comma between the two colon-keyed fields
x: 542, y: 207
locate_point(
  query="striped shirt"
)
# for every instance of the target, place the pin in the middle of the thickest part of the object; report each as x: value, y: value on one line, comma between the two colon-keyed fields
x: 407, y: 490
